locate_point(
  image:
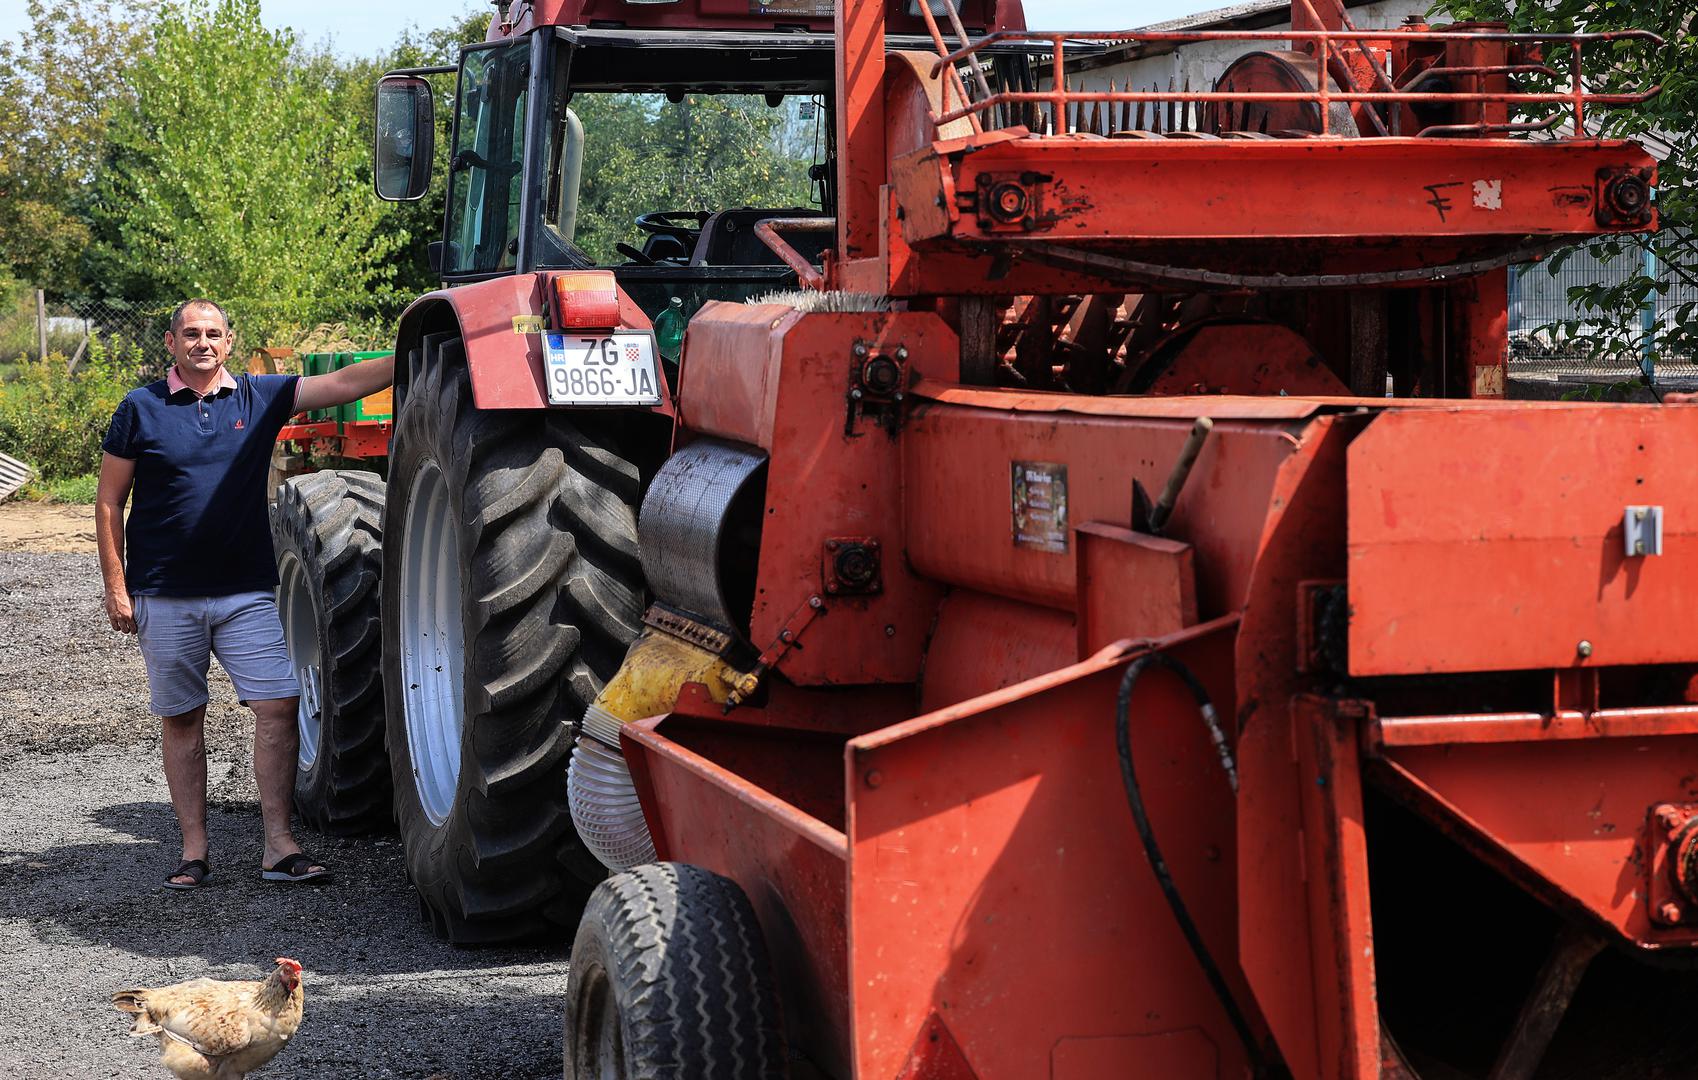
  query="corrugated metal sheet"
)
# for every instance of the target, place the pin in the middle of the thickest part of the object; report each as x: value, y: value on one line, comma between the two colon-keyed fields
x: 1254, y: 15
x: 14, y: 474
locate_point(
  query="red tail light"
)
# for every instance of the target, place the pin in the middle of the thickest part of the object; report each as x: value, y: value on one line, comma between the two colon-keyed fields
x: 587, y: 299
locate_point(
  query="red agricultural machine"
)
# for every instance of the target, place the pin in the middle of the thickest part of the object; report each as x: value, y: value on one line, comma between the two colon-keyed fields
x: 1101, y: 621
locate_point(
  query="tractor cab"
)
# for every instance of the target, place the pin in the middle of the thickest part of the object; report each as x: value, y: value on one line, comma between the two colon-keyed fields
x: 653, y: 152
x: 649, y: 152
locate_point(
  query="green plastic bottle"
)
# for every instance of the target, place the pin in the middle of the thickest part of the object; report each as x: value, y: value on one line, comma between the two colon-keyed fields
x: 669, y: 330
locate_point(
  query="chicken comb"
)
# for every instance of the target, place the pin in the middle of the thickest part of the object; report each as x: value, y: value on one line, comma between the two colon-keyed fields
x: 294, y: 966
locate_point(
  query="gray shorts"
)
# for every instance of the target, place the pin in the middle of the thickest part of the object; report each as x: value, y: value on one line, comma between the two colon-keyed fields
x: 180, y: 635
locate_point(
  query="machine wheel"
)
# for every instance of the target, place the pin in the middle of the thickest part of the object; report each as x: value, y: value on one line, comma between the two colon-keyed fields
x: 328, y: 539
x: 513, y: 589
x: 669, y: 980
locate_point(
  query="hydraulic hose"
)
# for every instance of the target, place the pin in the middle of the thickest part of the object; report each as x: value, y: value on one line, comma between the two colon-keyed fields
x: 1135, y: 797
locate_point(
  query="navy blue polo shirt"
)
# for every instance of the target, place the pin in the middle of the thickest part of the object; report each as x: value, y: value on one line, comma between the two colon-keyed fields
x: 198, y: 523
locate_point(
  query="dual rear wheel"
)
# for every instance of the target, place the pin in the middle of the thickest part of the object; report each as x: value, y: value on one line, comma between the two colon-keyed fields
x: 444, y: 700
x: 327, y: 536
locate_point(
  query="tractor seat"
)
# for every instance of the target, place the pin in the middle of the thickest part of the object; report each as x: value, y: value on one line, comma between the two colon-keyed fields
x: 728, y: 239
x: 663, y: 247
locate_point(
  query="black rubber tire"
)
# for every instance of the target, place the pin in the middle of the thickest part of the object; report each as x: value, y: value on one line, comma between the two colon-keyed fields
x: 330, y: 522
x: 552, y: 594
x: 676, y: 951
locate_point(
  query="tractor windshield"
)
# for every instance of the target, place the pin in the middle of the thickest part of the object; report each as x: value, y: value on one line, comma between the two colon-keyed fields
x: 655, y: 168
x: 651, y: 153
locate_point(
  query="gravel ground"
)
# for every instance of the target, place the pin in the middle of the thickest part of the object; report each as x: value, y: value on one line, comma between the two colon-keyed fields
x: 86, y: 835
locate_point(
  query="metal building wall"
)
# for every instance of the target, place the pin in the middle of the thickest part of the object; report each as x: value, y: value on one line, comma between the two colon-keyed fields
x: 1202, y: 64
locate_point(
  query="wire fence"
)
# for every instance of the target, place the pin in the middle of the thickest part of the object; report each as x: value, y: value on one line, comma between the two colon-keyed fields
x: 1552, y: 336
x: 34, y: 325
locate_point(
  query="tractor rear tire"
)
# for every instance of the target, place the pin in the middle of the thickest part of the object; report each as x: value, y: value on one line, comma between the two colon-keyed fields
x: 512, y: 589
x: 670, y: 980
x: 328, y: 538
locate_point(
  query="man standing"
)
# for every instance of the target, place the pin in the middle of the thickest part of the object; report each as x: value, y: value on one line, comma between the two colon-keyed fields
x: 192, y: 573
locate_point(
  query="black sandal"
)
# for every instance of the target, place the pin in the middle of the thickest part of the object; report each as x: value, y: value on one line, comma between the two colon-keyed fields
x: 296, y: 867
x: 196, y: 870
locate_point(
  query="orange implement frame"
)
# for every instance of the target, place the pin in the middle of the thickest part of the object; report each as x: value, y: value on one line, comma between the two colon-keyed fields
x: 956, y: 890
x: 954, y: 186
x: 979, y: 842
x: 353, y: 439
x: 960, y: 893
x: 1576, y: 98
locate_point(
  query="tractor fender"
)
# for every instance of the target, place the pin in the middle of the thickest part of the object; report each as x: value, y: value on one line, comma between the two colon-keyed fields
x: 499, y: 322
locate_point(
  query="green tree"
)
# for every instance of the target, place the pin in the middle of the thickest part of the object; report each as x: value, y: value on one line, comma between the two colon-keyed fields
x: 1668, y: 125
x: 230, y: 172
x: 57, y: 87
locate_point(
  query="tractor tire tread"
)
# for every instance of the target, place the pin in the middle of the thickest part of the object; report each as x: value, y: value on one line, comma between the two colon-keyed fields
x: 507, y: 862
x: 332, y: 522
x: 690, y: 975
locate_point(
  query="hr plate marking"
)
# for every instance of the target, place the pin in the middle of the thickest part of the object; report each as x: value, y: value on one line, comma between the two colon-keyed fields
x: 602, y: 369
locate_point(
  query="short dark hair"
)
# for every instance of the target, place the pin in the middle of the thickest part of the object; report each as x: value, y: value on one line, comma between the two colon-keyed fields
x: 199, y: 301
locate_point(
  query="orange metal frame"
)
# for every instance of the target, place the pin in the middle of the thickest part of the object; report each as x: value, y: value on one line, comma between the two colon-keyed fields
x: 1331, y: 43
x: 926, y: 810
x: 971, y: 873
x: 1002, y: 211
x: 354, y: 439
x: 925, y: 802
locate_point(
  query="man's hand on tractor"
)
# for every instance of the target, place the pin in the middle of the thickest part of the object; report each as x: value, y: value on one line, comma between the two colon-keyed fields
x: 344, y: 384
x: 1680, y: 399
x: 121, y: 612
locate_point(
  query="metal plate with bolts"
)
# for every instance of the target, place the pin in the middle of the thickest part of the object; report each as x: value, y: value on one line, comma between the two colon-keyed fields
x: 1643, y: 528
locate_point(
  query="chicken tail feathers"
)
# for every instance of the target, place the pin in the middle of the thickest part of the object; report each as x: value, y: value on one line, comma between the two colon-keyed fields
x: 130, y: 1001
x: 135, y: 1002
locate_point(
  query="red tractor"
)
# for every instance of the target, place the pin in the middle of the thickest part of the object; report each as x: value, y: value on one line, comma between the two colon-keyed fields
x: 512, y: 584
x: 1101, y: 621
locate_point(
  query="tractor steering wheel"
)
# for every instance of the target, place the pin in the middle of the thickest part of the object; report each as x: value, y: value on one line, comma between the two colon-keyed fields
x: 671, y: 223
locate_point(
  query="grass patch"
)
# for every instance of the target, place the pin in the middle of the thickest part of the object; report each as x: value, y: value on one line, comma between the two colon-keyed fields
x: 71, y: 491
x: 76, y: 490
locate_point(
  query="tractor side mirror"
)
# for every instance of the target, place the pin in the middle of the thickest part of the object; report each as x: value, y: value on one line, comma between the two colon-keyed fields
x: 406, y: 138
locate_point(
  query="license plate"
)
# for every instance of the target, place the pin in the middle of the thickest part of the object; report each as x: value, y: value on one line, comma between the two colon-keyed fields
x: 601, y: 369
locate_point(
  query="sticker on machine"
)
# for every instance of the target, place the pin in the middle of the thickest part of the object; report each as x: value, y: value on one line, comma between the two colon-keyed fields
x: 823, y: 9
x: 1040, y: 505
x: 1488, y: 194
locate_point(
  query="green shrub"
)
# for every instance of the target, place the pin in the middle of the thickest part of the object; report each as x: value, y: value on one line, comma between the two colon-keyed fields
x: 55, y: 420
